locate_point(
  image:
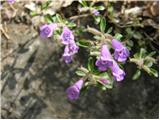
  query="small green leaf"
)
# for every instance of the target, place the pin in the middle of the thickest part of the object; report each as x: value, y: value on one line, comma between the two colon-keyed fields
x: 154, y: 72
x: 83, y: 43
x: 84, y: 90
x: 97, y: 37
x: 48, y: 19
x: 54, y: 19
x: 136, y: 55
x: 103, y: 88
x: 83, y: 3
x: 152, y: 53
x: 100, y: 7
x: 46, y: 4
x: 95, y: 53
x: 97, y: 19
x: 130, y: 43
x: 80, y: 73
x: 91, y: 64
x: 142, y: 53
x: 110, y: 9
x: 148, y: 63
x: 137, y: 35
x: 59, y: 18
x: 109, y: 30
x: 136, y: 75
x: 109, y: 86
x: 102, y: 24
x: 71, y: 25
x: 105, y: 75
x: 118, y: 36
x: 33, y: 13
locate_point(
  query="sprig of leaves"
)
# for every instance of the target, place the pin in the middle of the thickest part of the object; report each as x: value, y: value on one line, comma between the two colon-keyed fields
x: 145, y: 61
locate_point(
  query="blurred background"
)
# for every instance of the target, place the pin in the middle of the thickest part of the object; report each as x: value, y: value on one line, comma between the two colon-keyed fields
x: 34, y: 77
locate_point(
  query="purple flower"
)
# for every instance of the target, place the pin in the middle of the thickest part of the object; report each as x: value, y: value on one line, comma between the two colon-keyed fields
x: 47, y: 30
x: 73, y: 91
x: 105, y: 59
x: 69, y: 51
x: 10, y: 1
x: 117, y: 72
x: 121, y: 53
x: 67, y: 58
x: 67, y: 36
x: 104, y: 81
x: 95, y: 12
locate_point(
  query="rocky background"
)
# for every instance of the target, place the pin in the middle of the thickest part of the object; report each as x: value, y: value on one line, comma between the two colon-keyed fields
x: 34, y: 77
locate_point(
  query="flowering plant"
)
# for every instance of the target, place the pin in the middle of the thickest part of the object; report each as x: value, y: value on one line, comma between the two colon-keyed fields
x: 107, y: 51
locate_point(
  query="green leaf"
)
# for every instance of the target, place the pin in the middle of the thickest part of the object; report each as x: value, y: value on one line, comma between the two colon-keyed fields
x: 48, y: 19
x: 46, y: 4
x: 142, y: 53
x: 71, y: 25
x: 94, y: 53
x: 109, y: 86
x: 83, y: 43
x: 90, y: 64
x: 110, y: 9
x: 97, y: 37
x: 97, y: 19
x: 83, y: 3
x: 130, y: 43
x: 33, y: 13
x: 80, y: 73
x: 148, y: 63
x: 154, y: 72
x: 152, y: 53
x: 137, y: 35
x: 59, y: 18
x: 54, y: 19
x: 136, y: 55
x: 118, y: 36
x: 109, y: 30
x: 105, y: 75
x: 102, y: 24
x: 136, y: 75
x: 84, y: 90
x: 105, y: 86
x: 100, y: 7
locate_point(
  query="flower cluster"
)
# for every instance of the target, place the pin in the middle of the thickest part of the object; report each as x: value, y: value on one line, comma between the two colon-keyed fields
x: 71, y: 48
x: 67, y: 38
x: 106, y: 60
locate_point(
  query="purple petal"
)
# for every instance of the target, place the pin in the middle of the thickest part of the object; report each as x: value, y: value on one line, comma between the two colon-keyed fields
x: 105, y: 53
x: 104, y: 81
x: 67, y: 58
x: 117, y: 72
x: 79, y: 84
x: 10, y: 1
x: 95, y: 12
x: 67, y: 36
x: 116, y: 44
x: 105, y: 59
x: 47, y: 30
x: 121, y: 55
x: 73, y: 92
